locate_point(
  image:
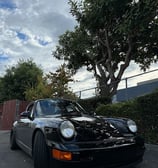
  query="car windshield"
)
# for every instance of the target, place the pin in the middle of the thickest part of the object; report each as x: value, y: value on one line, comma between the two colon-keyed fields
x: 64, y: 107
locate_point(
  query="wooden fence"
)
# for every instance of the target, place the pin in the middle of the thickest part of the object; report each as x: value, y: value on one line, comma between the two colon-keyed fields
x: 9, y: 111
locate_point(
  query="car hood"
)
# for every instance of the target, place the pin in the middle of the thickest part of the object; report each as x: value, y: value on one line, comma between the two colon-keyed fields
x: 89, y: 128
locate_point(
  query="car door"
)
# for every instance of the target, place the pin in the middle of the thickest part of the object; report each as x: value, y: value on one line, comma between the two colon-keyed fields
x: 25, y: 128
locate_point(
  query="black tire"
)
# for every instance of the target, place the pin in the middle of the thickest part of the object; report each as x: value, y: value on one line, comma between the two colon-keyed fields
x: 40, y: 152
x: 13, y: 144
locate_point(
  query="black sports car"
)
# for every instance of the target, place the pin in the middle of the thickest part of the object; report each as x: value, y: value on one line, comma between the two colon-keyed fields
x: 57, y: 132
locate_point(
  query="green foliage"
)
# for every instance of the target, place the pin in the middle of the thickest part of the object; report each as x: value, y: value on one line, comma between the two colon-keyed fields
x: 148, y: 109
x: 110, y: 33
x: 52, y: 85
x: 58, y: 82
x: 143, y: 110
x: 118, y: 110
x: 25, y: 81
x: 91, y: 104
x: 40, y: 91
x: 17, y: 78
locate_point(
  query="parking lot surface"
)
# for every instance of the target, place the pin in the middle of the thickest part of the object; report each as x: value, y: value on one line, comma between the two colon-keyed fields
x: 18, y: 159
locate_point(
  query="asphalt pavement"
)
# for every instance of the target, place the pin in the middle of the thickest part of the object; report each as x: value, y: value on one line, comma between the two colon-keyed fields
x: 19, y: 159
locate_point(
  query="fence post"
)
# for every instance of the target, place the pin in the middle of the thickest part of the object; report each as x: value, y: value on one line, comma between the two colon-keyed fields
x: 126, y: 83
x: 80, y: 94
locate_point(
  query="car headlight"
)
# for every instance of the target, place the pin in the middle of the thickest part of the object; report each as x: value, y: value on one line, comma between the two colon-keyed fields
x: 132, y: 126
x: 67, y: 129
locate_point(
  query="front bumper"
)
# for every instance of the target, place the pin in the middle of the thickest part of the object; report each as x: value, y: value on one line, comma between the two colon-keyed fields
x: 116, y: 156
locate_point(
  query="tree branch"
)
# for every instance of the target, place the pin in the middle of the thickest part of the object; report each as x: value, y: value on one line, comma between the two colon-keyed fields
x: 109, y: 59
x: 127, y: 58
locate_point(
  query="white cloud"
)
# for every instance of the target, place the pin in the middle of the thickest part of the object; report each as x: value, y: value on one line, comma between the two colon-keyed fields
x: 30, y: 29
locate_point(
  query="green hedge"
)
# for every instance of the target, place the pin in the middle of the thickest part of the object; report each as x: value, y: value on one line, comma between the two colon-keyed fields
x: 91, y: 104
x: 144, y: 110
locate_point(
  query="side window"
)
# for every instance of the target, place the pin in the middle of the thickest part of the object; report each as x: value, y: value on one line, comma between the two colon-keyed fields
x: 30, y: 109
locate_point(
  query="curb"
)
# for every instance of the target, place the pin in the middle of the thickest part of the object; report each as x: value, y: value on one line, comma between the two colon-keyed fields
x: 4, y: 131
x: 151, y: 147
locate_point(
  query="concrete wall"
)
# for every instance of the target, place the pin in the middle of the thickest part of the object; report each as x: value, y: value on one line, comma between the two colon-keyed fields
x: 133, y: 92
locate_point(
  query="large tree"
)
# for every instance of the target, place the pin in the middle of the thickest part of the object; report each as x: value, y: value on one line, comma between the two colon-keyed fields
x: 39, y: 91
x: 17, y: 78
x: 53, y: 84
x: 109, y: 35
x: 59, y: 80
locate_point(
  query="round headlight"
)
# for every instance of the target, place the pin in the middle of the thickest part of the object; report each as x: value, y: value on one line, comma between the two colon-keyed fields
x: 67, y: 129
x: 132, y: 126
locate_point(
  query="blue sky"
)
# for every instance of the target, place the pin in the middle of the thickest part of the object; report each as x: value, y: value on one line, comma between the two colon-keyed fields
x: 3, y: 57
x: 7, y: 4
x: 31, y: 29
x: 22, y: 36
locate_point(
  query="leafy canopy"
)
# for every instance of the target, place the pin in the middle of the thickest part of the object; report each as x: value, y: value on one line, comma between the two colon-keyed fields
x: 17, y: 78
x: 109, y: 35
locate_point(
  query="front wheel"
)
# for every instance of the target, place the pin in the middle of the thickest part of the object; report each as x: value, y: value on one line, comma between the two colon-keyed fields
x: 40, y: 152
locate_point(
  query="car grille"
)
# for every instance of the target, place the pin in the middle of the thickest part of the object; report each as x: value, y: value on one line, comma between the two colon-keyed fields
x: 90, y: 131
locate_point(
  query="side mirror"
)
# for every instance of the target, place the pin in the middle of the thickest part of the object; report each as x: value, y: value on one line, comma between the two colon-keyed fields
x: 25, y: 114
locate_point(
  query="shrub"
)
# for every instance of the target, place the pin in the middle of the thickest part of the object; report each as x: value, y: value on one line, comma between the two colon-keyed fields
x: 143, y: 110
x: 92, y: 103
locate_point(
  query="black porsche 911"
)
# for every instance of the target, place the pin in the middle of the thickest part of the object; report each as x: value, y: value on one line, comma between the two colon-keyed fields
x: 58, y: 132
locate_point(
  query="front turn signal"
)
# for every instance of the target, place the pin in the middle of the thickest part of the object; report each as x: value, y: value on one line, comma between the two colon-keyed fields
x: 61, y: 155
